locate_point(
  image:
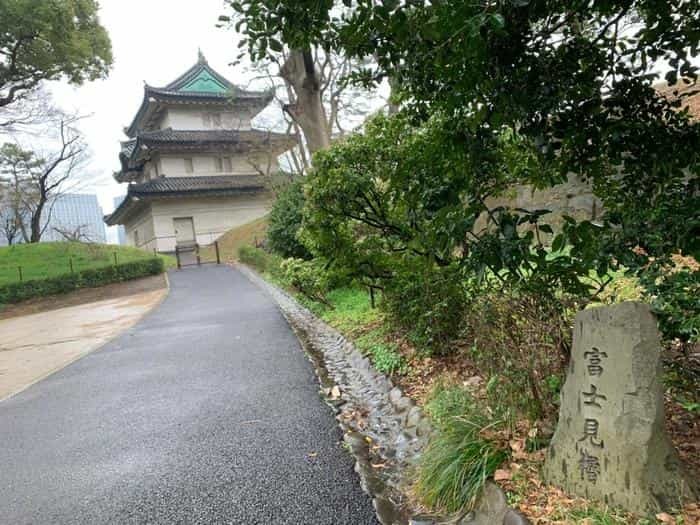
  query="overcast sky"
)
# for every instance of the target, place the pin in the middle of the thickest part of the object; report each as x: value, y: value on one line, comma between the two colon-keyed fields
x: 152, y: 41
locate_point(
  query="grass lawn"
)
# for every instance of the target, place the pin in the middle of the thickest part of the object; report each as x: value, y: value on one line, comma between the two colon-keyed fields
x: 232, y: 240
x: 50, y: 259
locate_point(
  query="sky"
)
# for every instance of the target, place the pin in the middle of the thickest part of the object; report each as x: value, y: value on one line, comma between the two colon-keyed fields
x: 153, y: 41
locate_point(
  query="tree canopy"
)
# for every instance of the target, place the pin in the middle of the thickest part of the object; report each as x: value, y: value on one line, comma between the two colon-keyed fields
x: 47, y: 40
x: 495, y: 94
x: 575, y: 79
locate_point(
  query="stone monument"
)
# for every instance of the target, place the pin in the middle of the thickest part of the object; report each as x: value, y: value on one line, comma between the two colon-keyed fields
x: 610, y: 443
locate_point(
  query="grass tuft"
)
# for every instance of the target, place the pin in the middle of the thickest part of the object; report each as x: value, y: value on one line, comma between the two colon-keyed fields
x: 460, y: 457
x: 456, y: 464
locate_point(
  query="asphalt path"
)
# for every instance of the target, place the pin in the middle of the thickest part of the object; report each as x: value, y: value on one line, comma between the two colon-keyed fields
x: 207, y: 411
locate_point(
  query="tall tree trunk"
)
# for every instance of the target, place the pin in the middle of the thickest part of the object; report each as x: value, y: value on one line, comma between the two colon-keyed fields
x: 307, y: 110
x: 22, y: 225
x: 36, y: 220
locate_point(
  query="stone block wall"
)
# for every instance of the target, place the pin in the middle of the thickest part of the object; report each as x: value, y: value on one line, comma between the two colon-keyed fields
x: 574, y: 198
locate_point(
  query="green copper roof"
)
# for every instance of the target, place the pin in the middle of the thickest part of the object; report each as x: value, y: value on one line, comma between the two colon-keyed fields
x: 205, y: 82
x: 199, y: 84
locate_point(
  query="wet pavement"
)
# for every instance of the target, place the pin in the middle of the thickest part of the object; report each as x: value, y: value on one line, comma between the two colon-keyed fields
x: 207, y: 411
x: 36, y: 345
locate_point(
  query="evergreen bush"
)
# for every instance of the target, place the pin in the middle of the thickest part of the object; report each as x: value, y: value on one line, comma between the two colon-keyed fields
x: 23, y: 290
x: 285, y: 222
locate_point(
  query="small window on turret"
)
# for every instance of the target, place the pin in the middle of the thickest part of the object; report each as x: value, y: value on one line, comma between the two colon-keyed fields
x: 216, y: 120
x: 206, y: 120
x: 189, y: 166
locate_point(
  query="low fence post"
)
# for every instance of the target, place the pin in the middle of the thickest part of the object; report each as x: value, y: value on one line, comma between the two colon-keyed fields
x: 371, y: 296
x: 70, y: 263
x: 115, y: 258
x: 177, y: 256
x: 19, y: 269
x: 216, y: 248
x: 196, y: 250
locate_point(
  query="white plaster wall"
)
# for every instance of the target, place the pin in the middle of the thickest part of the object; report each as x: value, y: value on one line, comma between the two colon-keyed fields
x: 212, y: 217
x: 165, y: 122
x: 174, y: 166
x: 151, y: 169
x: 144, y: 224
x: 193, y: 118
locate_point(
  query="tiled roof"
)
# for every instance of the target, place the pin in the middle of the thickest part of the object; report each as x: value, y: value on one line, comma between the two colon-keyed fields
x: 197, y: 136
x: 163, y: 187
x: 205, y: 96
x: 128, y: 147
x: 195, y: 85
x: 132, y: 151
x: 170, y: 185
x: 202, y: 66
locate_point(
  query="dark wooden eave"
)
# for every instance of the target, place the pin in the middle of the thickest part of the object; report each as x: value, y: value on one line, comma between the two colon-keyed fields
x: 184, y: 187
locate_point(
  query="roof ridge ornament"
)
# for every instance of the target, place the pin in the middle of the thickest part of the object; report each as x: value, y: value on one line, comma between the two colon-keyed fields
x: 201, y: 59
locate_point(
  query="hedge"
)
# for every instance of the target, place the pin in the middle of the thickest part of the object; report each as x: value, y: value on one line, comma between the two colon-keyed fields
x: 21, y: 291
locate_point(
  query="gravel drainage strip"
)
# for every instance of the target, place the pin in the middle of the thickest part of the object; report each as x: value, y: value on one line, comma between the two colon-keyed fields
x: 383, y: 429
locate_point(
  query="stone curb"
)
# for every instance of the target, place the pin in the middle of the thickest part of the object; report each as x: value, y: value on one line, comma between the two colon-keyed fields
x: 396, y: 430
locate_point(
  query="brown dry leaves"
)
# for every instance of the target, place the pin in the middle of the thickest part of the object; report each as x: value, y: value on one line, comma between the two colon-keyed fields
x: 542, y: 504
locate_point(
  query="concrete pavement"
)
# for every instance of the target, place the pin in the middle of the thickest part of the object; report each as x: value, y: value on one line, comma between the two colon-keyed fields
x: 206, y: 411
x: 36, y: 345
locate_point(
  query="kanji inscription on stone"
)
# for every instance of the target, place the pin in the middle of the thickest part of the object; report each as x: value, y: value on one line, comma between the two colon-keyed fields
x: 595, y: 358
x: 589, y: 466
x: 610, y: 442
x: 593, y: 398
x: 590, y: 432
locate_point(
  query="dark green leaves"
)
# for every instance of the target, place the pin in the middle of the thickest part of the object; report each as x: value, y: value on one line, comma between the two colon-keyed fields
x: 50, y: 40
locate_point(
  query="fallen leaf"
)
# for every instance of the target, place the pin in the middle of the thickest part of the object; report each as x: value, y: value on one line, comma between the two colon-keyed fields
x: 378, y: 465
x: 517, y: 445
x: 664, y: 517
x: 335, y: 392
x: 502, y: 475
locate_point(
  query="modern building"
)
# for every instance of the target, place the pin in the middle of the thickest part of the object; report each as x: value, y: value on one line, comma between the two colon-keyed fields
x: 195, y: 166
x: 121, y: 231
x: 74, y: 216
x: 68, y: 217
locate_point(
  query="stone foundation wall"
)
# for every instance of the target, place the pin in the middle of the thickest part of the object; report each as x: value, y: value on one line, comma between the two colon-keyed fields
x: 573, y: 198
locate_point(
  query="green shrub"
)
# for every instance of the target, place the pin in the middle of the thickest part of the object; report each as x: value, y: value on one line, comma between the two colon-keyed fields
x: 309, y: 278
x: 429, y: 303
x: 21, y: 291
x: 675, y: 299
x: 521, y: 343
x: 285, y: 221
x: 258, y: 258
x: 40, y: 261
